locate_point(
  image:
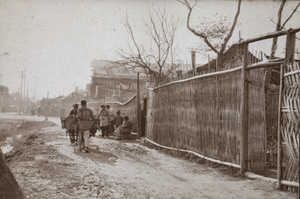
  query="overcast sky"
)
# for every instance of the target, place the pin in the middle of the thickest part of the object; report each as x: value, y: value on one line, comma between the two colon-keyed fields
x: 54, y: 41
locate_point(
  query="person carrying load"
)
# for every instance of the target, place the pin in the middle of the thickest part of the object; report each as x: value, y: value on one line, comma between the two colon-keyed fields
x: 85, y: 116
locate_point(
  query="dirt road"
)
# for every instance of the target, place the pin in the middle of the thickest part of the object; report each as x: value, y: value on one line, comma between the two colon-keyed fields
x: 49, y: 167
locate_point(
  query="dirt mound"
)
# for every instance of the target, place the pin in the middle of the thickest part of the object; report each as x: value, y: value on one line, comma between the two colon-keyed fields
x: 35, y: 125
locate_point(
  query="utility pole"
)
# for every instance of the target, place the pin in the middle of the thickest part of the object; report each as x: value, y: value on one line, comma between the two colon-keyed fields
x: 21, y: 94
x: 138, y: 106
x: 24, y: 106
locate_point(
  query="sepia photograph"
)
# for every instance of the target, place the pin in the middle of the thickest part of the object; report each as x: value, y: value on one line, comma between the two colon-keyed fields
x: 149, y: 99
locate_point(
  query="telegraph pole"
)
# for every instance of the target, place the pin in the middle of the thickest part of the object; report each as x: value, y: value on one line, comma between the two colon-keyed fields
x: 21, y: 94
x: 138, y: 106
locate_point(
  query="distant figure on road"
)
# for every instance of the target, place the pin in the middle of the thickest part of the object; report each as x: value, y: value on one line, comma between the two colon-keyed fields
x: 104, y: 121
x: 62, y: 112
x: 85, y: 115
x: 73, y: 113
x: 125, y: 128
x: 118, y: 119
x: 38, y: 110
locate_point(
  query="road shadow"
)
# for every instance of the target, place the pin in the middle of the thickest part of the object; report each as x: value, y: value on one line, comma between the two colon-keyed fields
x: 97, y: 156
x: 115, y: 139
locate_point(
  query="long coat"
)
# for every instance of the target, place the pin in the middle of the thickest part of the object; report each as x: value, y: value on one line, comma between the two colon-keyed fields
x: 104, y: 118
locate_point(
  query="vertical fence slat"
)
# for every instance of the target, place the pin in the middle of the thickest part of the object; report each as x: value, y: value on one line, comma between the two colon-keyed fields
x: 279, y: 130
x: 244, y: 113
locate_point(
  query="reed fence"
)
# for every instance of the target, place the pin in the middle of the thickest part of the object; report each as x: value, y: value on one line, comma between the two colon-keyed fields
x: 202, y: 114
x: 289, y: 126
x: 272, y: 127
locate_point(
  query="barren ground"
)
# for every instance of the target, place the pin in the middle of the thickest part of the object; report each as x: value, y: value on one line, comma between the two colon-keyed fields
x: 47, y: 166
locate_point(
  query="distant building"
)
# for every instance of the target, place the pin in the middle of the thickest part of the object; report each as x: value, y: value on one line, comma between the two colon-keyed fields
x: 112, y: 83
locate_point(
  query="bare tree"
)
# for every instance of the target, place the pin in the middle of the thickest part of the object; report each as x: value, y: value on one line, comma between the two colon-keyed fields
x: 209, y: 34
x: 281, y: 25
x: 156, y: 58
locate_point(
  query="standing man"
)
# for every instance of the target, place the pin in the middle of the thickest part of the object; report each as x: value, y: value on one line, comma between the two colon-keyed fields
x: 104, y: 121
x: 85, y: 115
x: 74, y: 134
x: 111, y: 118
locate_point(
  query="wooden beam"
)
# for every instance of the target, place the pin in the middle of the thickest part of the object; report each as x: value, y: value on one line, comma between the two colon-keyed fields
x: 264, y: 65
x: 244, y: 114
x: 269, y: 35
x: 279, y: 131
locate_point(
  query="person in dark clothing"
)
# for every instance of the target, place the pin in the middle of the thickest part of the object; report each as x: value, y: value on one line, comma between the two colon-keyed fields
x: 125, y: 128
x: 104, y: 121
x: 74, y: 110
x: 111, y: 118
x: 118, y: 119
x: 74, y: 134
x: 85, y: 115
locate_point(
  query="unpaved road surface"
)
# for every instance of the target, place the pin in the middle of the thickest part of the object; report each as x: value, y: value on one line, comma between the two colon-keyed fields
x: 49, y: 167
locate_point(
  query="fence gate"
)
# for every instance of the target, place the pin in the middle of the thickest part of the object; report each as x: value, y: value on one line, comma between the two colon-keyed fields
x: 289, y: 119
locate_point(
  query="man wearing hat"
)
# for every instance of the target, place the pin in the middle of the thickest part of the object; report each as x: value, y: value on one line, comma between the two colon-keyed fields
x: 74, y: 110
x: 104, y: 121
x: 111, y: 118
x: 85, y: 115
x: 74, y: 135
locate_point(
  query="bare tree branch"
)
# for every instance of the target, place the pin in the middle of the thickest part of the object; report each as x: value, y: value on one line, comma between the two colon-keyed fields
x: 232, y: 28
x: 161, y: 32
x: 190, y: 8
x: 204, y: 36
x: 278, y: 27
x: 291, y: 15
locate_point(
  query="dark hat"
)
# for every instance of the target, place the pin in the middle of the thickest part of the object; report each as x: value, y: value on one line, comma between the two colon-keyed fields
x: 126, y: 117
x: 83, y: 102
x: 107, y: 106
x: 102, y: 106
x: 75, y: 105
x: 118, y: 112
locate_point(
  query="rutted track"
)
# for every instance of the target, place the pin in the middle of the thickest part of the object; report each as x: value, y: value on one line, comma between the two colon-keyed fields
x: 51, y: 168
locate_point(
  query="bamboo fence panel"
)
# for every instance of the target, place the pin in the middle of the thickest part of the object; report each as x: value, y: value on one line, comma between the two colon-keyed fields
x: 256, y: 121
x: 200, y: 115
x: 272, y: 127
x: 290, y: 123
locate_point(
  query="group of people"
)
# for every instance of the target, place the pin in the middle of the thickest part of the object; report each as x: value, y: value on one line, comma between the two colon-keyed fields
x: 108, y: 123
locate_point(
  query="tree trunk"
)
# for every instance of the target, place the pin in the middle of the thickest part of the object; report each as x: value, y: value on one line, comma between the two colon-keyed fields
x: 9, y: 187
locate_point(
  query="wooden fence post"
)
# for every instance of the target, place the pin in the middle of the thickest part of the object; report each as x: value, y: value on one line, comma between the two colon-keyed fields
x: 193, y: 53
x: 289, y: 58
x: 217, y: 63
x: 208, y: 57
x: 244, y: 114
